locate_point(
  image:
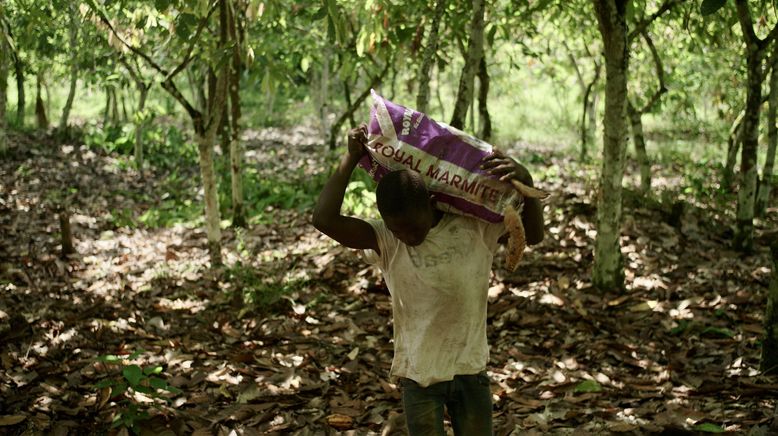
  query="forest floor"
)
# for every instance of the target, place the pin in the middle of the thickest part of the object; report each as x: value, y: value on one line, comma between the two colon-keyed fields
x: 676, y: 353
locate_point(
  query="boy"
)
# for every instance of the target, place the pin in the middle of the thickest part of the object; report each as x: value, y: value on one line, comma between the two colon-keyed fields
x: 437, y: 268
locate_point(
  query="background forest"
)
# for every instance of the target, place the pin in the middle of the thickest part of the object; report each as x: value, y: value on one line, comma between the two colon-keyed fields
x: 159, y: 161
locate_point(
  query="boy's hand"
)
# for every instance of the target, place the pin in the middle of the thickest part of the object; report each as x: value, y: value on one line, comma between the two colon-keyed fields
x: 357, y: 139
x: 506, y: 168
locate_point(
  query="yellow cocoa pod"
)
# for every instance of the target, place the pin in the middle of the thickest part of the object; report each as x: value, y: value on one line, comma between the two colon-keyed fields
x: 516, y: 238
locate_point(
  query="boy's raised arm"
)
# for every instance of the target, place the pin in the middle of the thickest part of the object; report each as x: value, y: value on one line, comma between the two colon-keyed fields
x: 349, y: 231
x: 507, y: 168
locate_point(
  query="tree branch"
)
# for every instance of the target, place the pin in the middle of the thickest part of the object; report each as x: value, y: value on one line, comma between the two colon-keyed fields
x: 643, y: 24
x: 168, y: 84
x: 188, y: 56
x: 746, y: 24
x: 660, y: 74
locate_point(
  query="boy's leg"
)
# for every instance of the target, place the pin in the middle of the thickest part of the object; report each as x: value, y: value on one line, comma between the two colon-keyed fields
x: 471, y: 405
x: 424, y: 407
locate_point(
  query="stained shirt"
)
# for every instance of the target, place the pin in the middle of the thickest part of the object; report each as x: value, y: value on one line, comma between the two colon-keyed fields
x: 439, y: 292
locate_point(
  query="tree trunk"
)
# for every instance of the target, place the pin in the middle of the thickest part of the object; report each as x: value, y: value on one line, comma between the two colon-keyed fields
x: 212, y: 217
x: 347, y: 95
x: 73, y: 33
x: 19, y: 72
x: 114, y: 106
x: 763, y: 194
x: 744, y: 230
x: 4, y: 58
x: 140, y: 124
x: 324, y: 85
x: 608, y: 272
x: 40, y: 109
x: 430, y: 52
x: 439, y: 97
x: 107, y: 111
x: 636, y: 121
x: 236, y: 148
x: 474, y: 54
x: 588, y: 112
x: 66, y: 234
x: 483, y: 95
x: 769, y: 361
x: 733, y: 146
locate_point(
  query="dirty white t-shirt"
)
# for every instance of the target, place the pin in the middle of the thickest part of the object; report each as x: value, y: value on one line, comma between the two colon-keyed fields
x: 439, y: 291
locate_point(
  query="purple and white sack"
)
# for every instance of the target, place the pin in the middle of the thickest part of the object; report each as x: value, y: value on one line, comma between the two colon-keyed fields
x: 449, y: 161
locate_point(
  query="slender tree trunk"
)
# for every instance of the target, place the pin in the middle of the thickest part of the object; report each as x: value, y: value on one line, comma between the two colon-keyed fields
x: 483, y: 95
x: 114, y: 106
x: 324, y: 86
x: 438, y: 95
x: 347, y: 95
x: 744, y: 230
x: 636, y: 121
x: 474, y: 54
x: 66, y: 233
x: 393, y: 84
x: 733, y: 146
x: 588, y: 112
x: 769, y: 361
x: 212, y: 217
x: 19, y: 72
x: 124, y: 105
x: 236, y: 148
x: 608, y: 272
x: 4, y: 58
x: 206, y: 136
x: 430, y: 52
x: 107, y: 111
x: 763, y: 194
x: 73, y: 33
x: 140, y: 124
x: 40, y: 109
x: 197, y: 87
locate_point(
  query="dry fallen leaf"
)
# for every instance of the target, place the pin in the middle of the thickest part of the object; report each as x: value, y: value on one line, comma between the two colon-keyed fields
x: 11, y: 419
x: 340, y: 422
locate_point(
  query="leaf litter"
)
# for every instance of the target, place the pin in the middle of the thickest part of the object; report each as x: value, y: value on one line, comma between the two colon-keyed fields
x: 677, y: 352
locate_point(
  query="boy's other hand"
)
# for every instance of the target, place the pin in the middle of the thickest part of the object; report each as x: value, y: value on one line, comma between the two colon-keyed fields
x: 506, y: 168
x: 357, y: 139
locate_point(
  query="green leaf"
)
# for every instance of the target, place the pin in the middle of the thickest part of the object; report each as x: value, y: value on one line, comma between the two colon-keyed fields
x: 709, y: 7
x: 104, y: 383
x: 152, y: 370
x: 321, y: 13
x: 709, y: 428
x: 119, y: 389
x: 133, y: 374
x: 161, y: 5
x: 109, y: 358
x: 157, y: 383
x: 716, y: 331
x: 587, y: 386
x: 136, y: 353
x: 305, y: 63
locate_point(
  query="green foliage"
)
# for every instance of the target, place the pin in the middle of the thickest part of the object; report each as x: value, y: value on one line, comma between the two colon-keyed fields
x: 263, y: 293
x: 129, y: 380
x: 709, y: 7
x: 360, y: 196
x: 588, y: 386
x: 165, y: 145
x: 709, y: 428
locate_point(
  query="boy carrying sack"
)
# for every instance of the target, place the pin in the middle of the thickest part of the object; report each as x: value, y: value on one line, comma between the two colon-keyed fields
x: 434, y: 244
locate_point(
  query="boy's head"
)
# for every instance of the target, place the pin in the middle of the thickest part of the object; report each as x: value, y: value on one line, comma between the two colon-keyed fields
x: 406, y: 206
